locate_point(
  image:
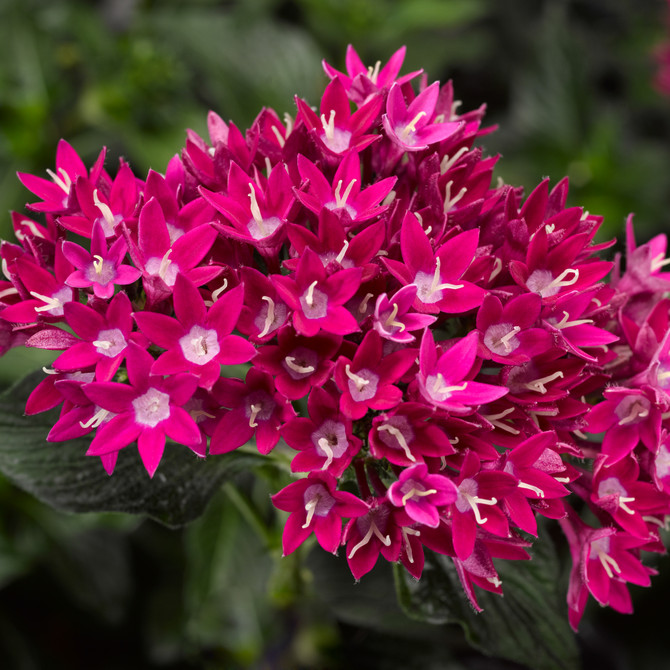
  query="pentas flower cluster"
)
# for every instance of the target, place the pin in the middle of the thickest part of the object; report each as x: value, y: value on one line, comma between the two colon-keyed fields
x: 441, y: 358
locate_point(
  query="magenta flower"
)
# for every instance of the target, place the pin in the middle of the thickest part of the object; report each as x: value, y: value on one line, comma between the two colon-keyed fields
x: 337, y: 129
x: 534, y: 463
x: 106, y: 206
x: 444, y: 380
x: 148, y: 410
x: 255, y: 409
x: 421, y: 494
x: 316, y: 506
x: 345, y: 194
x: 626, y: 416
x: 104, y: 339
x: 413, y: 127
x: 263, y: 312
x: 479, y: 493
x: 256, y: 215
x: 161, y: 261
x: 199, y: 340
x: 437, y: 276
x: 362, y: 82
x: 324, y: 441
x: 408, y: 433
x: 317, y: 300
x: 102, y: 268
x: 377, y: 532
x: 298, y: 363
x: 507, y: 333
x: 48, y: 292
x: 393, y: 319
x: 368, y: 380
x: 603, y: 560
x: 58, y: 195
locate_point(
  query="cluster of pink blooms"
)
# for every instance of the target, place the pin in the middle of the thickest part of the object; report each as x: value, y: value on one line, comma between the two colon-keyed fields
x: 439, y: 355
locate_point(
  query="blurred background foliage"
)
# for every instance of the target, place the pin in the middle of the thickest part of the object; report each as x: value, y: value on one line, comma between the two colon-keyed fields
x: 569, y: 82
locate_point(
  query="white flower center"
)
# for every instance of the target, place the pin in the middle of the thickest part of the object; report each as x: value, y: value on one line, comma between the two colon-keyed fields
x: 200, y: 345
x: 152, y: 407
x: 110, y: 342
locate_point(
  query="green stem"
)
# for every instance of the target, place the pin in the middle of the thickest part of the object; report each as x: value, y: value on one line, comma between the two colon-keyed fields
x: 249, y: 513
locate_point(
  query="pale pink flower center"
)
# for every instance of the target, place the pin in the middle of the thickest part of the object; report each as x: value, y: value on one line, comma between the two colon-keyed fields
x: 152, y: 407
x: 110, y: 342
x: 314, y: 302
x: 300, y: 363
x: 200, y: 345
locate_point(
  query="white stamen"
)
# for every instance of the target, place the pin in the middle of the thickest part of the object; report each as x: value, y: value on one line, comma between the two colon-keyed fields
x: 401, y: 439
x: 97, y: 418
x: 624, y: 506
x: 341, y: 200
x: 63, y: 181
x: 373, y: 530
x: 216, y: 293
x: 440, y: 387
x: 325, y: 445
x: 288, y: 122
x: 636, y: 411
x: 473, y: 501
x: 373, y: 72
x: 8, y: 291
x: 97, y: 264
x: 364, y: 303
x: 165, y: 264
x: 269, y: 317
x: 436, y: 285
x: 102, y: 344
x: 504, y: 340
x: 497, y: 268
x: 390, y: 321
x: 411, y: 126
x: 415, y: 492
x: 562, y: 281
x: 51, y: 303
x: 255, y: 211
x: 104, y: 209
x: 661, y: 524
x: 329, y: 126
x: 530, y: 487
x: 538, y: 385
x: 450, y: 202
x: 50, y: 371
x: 493, y: 420
x: 340, y: 257
x: 608, y: 561
x: 255, y: 411
x: 309, y: 297
x: 280, y: 138
x: 658, y: 262
x: 562, y: 480
x: 454, y: 106
x: 566, y: 323
x: 405, y: 540
x: 358, y: 380
x: 448, y: 161
x: 300, y: 369
x: 310, y: 507
x: 495, y: 581
x: 389, y: 199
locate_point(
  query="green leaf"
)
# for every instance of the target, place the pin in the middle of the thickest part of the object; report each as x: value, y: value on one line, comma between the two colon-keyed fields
x: 529, y: 624
x: 62, y: 476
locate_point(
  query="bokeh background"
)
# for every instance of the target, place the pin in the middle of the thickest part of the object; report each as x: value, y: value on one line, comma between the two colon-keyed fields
x: 570, y: 83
